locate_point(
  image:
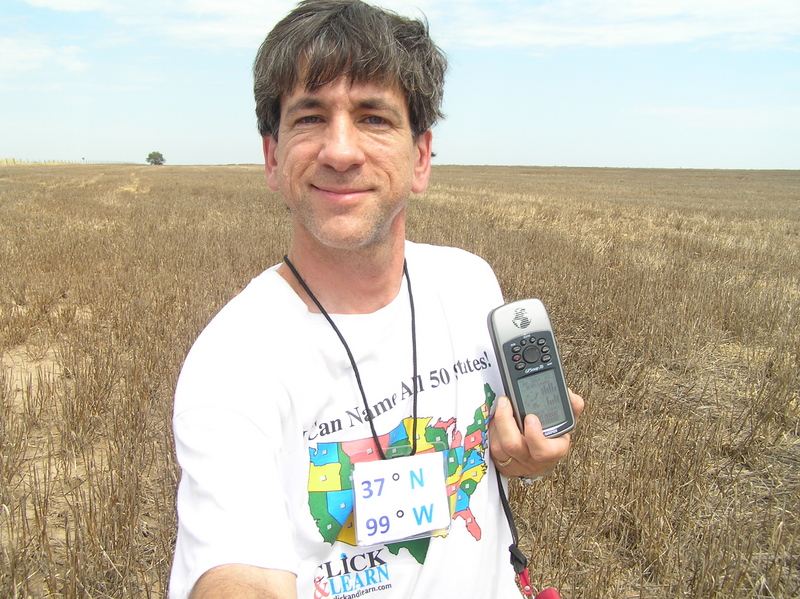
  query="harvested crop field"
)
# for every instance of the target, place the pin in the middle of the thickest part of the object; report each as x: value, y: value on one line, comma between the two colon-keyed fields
x: 675, y: 295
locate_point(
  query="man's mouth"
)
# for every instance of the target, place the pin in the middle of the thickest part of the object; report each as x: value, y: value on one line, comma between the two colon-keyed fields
x: 337, y: 191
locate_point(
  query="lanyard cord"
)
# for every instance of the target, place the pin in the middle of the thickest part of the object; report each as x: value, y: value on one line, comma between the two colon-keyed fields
x: 518, y: 559
x: 353, y: 362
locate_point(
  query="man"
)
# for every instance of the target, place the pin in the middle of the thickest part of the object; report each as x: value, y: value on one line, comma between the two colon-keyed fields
x: 360, y: 346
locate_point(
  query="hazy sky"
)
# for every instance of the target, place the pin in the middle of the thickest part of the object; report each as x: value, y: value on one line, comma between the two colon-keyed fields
x: 632, y: 83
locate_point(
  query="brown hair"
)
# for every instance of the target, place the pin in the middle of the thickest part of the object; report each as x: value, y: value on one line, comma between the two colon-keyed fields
x: 322, y: 40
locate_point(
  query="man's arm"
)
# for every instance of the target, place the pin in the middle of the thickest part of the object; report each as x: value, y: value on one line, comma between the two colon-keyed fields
x: 533, y: 454
x: 231, y: 506
x: 237, y: 581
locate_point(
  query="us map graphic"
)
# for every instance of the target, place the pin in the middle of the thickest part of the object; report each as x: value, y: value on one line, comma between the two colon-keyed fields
x: 330, y: 490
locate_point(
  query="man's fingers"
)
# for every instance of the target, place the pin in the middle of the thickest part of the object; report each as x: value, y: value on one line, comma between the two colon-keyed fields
x: 504, y: 417
x: 505, y: 438
x: 527, y: 453
x: 533, y: 427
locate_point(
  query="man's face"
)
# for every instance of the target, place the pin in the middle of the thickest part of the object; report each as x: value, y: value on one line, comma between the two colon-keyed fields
x: 346, y: 163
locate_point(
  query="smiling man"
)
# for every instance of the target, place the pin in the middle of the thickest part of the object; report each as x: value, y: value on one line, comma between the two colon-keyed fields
x: 331, y: 440
x: 346, y: 160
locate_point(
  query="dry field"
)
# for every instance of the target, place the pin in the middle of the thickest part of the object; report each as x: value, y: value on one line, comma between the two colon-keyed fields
x: 675, y: 295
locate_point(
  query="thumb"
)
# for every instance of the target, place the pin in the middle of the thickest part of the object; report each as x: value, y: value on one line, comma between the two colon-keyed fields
x: 533, y: 426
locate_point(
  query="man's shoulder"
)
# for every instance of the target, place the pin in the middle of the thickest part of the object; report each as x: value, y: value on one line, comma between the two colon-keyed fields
x: 255, y: 317
x: 449, y: 263
x: 440, y: 254
x: 267, y: 297
x: 231, y: 357
x: 464, y: 282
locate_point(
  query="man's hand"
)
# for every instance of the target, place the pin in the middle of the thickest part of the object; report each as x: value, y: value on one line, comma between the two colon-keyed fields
x: 531, y: 454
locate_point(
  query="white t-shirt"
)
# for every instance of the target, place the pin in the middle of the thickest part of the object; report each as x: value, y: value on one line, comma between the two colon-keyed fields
x: 269, y: 420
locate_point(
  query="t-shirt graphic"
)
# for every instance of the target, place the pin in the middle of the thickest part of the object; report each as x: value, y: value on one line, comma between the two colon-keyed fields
x: 330, y: 489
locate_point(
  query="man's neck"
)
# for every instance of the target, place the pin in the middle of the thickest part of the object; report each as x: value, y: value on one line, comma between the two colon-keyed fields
x: 347, y: 281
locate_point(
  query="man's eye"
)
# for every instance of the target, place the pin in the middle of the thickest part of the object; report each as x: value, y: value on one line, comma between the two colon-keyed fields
x: 309, y: 120
x: 375, y: 120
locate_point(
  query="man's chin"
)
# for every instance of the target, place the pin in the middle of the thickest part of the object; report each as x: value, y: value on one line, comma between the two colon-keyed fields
x: 351, y: 232
x: 354, y: 243
x: 342, y: 240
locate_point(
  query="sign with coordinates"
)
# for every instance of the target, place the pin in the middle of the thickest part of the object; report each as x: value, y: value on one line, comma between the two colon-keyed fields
x: 400, y: 499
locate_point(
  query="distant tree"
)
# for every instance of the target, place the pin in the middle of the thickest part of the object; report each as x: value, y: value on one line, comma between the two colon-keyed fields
x: 155, y: 158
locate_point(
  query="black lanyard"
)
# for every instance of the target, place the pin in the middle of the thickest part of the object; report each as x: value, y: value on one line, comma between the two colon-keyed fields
x: 353, y: 362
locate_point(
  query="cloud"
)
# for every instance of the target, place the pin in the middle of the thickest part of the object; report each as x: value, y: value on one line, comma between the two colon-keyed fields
x: 482, y: 23
x: 606, y: 23
x: 31, y: 53
x: 75, y: 5
x: 230, y: 23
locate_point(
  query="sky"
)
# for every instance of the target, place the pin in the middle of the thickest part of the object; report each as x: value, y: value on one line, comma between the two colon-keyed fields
x: 595, y: 83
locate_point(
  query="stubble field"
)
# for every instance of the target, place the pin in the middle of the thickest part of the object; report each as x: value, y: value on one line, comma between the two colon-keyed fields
x: 674, y: 295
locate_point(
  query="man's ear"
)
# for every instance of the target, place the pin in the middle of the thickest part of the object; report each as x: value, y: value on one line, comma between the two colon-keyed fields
x: 422, y: 168
x: 270, y: 145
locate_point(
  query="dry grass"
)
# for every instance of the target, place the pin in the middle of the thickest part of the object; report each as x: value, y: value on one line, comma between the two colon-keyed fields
x: 675, y: 295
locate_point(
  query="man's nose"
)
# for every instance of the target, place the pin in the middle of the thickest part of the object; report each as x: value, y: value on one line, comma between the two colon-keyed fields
x: 341, y: 149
